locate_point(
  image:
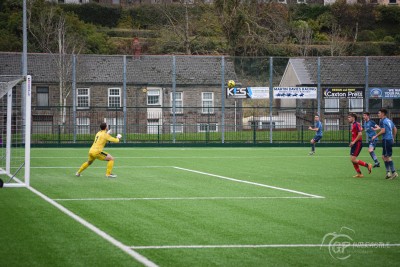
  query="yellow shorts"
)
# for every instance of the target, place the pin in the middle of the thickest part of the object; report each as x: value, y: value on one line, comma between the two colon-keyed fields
x: 100, y: 156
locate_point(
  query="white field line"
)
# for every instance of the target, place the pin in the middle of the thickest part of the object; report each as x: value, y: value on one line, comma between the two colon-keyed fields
x: 248, y: 182
x: 206, y: 157
x: 363, y: 245
x: 169, y: 198
x: 140, y: 258
x: 99, y: 167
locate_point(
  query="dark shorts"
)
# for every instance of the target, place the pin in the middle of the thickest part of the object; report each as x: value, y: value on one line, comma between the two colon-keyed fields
x: 387, y: 146
x: 372, y: 143
x: 356, y: 149
x: 317, y: 138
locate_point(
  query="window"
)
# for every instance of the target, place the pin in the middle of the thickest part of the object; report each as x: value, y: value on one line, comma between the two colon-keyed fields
x: 42, y: 96
x: 207, y: 102
x: 178, y: 102
x: 42, y: 124
x: 301, y: 1
x: 282, y: 1
x: 178, y: 128
x: 83, y: 98
x: 153, y: 126
x: 116, y: 125
x: 392, y: 2
x: 14, y: 96
x: 331, y: 105
x: 153, y: 97
x: 82, y: 125
x: 114, y: 97
x: 207, y: 127
x: 375, y: 104
x: 356, y: 105
x: 42, y: 118
x: 331, y: 125
x: 266, y: 125
x: 396, y: 103
x: 261, y: 124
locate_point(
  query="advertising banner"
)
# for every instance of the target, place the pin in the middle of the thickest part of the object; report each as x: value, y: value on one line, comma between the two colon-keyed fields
x: 353, y: 93
x: 295, y: 92
x: 236, y: 92
x: 258, y: 92
x: 384, y: 93
x: 279, y: 92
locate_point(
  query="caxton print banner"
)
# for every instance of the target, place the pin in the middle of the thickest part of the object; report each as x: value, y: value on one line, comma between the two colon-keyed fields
x: 352, y: 93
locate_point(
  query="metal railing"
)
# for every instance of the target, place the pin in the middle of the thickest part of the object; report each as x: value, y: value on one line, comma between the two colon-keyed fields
x: 241, y: 125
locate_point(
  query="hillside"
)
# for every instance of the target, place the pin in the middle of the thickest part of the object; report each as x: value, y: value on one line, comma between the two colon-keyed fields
x: 226, y: 27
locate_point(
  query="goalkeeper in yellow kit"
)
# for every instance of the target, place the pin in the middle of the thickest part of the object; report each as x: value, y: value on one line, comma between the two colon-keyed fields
x: 96, y: 151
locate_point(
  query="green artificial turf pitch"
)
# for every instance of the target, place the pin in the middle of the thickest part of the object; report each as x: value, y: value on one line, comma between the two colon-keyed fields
x: 203, y: 207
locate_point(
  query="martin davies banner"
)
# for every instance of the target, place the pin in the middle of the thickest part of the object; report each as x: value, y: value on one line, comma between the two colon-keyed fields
x: 295, y: 92
x: 343, y: 92
x: 385, y: 93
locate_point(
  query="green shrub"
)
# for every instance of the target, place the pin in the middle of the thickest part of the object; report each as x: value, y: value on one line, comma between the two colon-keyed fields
x: 95, y: 14
x: 366, y: 36
x: 366, y: 49
x: 388, y: 39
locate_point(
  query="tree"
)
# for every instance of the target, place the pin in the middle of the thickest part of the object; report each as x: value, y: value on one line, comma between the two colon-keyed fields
x: 179, y: 23
x: 10, y: 25
x: 62, y: 35
x: 337, y: 43
x: 303, y: 33
x: 51, y: 29
x: 250, y: 27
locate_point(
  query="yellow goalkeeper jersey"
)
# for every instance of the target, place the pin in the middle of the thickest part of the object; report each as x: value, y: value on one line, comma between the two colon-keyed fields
x: 100, y: 142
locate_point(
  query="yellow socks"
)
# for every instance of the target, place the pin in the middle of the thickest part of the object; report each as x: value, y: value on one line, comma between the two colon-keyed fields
x: 110, y: 166
x: 83, y: 167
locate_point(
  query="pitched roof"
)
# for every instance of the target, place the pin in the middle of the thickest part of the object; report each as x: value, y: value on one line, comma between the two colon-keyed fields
x: 382, y: 71
x: 151, y: 70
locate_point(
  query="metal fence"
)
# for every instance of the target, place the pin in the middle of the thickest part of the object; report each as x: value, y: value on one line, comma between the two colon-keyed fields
x: 137, y: 97
x: 244, y: 125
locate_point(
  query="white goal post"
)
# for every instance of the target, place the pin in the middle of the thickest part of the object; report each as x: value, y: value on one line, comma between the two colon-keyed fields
x: 15, y: 130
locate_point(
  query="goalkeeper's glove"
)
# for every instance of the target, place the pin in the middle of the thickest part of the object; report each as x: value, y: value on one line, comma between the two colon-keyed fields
x: 119, y: 136
x: 109, y: 131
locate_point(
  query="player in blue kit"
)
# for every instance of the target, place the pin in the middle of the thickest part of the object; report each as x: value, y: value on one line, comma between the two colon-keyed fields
x: 370, y: 126
x: 388, y: 132
x: 318, y: 133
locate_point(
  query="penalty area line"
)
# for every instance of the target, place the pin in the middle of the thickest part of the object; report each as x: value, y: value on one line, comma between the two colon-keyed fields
x: 248, y: 182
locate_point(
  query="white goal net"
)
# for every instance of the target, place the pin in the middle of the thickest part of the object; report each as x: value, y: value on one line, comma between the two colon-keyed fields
x: 15, y: 124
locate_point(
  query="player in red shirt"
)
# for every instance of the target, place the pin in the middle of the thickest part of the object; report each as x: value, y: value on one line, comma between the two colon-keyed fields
x: 356, y: 145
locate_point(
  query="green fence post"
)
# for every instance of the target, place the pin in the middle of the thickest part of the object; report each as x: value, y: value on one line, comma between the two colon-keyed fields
x: 302, y: 134
x: 59, y: 134
x: 254, y: 132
